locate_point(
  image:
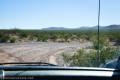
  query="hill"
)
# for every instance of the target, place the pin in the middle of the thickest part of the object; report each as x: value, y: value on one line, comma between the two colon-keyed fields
x: 109, y: 27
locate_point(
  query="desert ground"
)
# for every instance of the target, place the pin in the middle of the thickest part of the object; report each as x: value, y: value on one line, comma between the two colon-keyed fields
x: 38, y: 51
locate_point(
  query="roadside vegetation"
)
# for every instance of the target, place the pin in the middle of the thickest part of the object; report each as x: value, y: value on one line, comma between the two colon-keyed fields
x: 82, y: 57
x: 16, y: 35
x: 90, y: 58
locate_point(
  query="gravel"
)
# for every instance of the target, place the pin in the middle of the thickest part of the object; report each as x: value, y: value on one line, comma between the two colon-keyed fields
x: 38, y: 51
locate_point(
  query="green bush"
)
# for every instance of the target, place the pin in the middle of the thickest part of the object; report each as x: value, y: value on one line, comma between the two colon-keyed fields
x: 102, y: 42
x: 42, y: 38
x: 53, y: 37
x: 39, y: 38
x: 23, y: 35
x: 108, y: 53
x: 67, y: 58
x: 12, y: 40
x: 4, y: 38
x: 81, y: 58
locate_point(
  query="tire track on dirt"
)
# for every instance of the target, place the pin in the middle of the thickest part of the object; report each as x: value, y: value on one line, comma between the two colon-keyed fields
x: 41, y: 52
x: 8, y: 57
x: 52, y: 57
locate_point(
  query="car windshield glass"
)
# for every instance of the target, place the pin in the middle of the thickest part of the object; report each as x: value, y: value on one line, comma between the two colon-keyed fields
x: 60, y: 32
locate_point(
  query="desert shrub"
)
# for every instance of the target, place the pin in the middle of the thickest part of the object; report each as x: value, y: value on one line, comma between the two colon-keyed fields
x: 23, y: 35
x: 4, y: 38
x: 66, y: 58
x: 53, y: 37
x: 39, y: 38
x: 81, y: 58
x: 42, y: 38
x: 66, y: 37
x: 31, y: 37
x: 107, y: 54
x: 102, y: 42
x: 12, y: 40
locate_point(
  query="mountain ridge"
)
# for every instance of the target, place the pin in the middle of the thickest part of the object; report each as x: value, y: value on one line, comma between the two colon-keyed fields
x: 93, y: 27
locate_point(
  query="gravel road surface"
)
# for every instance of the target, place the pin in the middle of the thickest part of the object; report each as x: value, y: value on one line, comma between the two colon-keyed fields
x: 38, y: 51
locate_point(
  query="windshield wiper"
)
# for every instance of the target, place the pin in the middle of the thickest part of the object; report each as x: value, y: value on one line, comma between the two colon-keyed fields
x: 29, y: 63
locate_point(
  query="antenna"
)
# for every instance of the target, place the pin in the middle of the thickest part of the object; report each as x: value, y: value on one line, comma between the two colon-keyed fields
x: 98, y: 33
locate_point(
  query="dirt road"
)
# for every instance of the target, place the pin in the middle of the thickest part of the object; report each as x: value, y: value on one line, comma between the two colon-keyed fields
x: 37, y: 51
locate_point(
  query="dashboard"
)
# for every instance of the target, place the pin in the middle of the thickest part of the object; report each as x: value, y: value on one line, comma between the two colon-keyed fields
x: 58, y: 73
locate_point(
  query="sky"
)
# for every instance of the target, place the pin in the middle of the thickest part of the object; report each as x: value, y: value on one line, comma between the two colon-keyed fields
x: 37, y: 14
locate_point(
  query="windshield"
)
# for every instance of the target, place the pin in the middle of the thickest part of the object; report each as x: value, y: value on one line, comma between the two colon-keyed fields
x: 60, y: 32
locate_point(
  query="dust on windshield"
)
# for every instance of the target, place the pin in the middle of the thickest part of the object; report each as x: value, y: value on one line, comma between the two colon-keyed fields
x: 53, y: 31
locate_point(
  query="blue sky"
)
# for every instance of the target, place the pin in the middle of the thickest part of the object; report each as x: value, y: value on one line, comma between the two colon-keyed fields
x: 37, y: 14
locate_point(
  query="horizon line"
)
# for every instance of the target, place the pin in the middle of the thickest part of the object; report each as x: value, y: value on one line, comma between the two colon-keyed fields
x: 59, y: 27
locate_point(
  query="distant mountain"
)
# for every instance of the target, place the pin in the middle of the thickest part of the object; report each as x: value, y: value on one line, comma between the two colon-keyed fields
x: 113, y: 27
x: 110, y: 27
x: 54, y: 28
